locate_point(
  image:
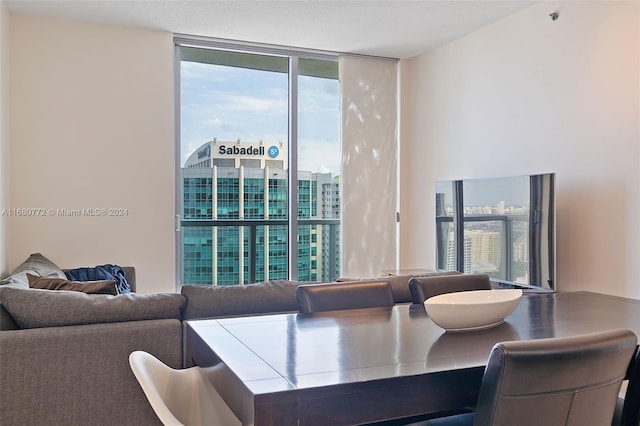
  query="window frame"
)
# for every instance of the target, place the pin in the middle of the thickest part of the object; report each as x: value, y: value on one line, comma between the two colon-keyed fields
x: 294, y: 56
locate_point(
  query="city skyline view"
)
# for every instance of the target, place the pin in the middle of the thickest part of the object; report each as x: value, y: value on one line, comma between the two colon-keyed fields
x: 234, y: 148
x: 250, y: 186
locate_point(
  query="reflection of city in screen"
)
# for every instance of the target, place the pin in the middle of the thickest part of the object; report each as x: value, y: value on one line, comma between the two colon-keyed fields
x: 503, y: 207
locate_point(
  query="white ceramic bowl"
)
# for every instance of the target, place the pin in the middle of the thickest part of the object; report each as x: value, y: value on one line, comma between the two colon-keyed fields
x: 472, y: 310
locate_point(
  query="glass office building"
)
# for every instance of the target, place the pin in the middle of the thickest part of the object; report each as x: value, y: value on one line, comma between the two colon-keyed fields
x: 234, y: 216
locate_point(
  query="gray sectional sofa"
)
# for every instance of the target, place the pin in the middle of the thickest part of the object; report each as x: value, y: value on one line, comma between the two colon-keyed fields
x: 64, y: 355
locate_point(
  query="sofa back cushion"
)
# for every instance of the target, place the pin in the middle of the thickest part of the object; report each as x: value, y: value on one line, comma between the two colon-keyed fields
x: 222, y: 301
x: 33, y: 308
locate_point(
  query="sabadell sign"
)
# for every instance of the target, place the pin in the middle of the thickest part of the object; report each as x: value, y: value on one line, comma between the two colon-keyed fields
x: 249, y: 150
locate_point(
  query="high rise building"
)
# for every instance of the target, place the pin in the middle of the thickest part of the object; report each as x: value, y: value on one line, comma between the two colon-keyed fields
x: 486, y: 250
x: 247, y: 185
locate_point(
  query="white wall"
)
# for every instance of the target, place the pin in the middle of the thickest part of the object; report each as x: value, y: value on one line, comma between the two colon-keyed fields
x: 529, y: 95
x: 92, y: 126
x: 4, y: 133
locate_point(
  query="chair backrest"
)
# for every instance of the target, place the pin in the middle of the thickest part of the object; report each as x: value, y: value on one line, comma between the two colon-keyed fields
x: 631, y: 406
x: 572, y: 381
x: 422, y: 288
x: 339, y: 296
x: 180, y: 397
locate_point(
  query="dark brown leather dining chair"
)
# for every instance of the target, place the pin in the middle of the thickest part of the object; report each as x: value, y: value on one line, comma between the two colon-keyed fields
x: 568, y: 381
x: 339, y: 296
x: 628, y: 408
x: 422, y: 288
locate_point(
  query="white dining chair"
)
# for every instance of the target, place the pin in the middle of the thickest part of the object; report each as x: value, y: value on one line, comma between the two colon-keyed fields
x: 180, y: 397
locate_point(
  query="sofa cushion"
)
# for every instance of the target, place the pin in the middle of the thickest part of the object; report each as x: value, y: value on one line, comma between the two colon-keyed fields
x: 33, y: 308
x: 220, y: 301
x: 90, y: 287
x: 35, y: 264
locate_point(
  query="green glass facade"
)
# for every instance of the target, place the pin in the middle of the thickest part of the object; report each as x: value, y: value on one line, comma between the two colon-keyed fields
x: 220, y: 255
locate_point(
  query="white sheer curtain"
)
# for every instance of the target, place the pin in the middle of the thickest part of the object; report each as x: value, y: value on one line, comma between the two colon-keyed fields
x: 369, y: 102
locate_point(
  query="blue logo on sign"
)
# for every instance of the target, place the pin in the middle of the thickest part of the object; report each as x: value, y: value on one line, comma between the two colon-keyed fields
x: 204, y: 152
x: 273, y: 151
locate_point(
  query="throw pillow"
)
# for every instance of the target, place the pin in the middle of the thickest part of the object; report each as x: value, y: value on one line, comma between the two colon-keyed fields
x: 35, y: 264
x: 90, y: 287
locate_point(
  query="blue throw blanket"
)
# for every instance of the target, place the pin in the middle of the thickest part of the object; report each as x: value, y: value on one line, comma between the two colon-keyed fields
x: 101, y: 272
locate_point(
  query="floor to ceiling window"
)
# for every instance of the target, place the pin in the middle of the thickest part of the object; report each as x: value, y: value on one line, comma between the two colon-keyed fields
x: 259, y: 162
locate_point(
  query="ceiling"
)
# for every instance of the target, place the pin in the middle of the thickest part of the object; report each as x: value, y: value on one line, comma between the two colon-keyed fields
x: 389, y: 28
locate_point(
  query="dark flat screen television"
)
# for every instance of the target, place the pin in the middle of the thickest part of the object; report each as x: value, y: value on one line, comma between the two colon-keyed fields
x: 504, y: 227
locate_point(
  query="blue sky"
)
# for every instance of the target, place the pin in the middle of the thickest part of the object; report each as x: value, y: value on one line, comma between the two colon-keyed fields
x: 230, y: 103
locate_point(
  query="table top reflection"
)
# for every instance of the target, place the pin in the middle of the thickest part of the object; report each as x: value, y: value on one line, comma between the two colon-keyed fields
x: 395, y: 362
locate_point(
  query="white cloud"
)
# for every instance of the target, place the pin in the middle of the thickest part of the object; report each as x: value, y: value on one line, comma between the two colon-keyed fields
x: 230, y: 103
x: 319, y: 155
x: 253, y: 104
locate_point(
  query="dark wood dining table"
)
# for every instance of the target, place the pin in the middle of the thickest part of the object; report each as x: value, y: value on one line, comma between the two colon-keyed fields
x: 369, y: 365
